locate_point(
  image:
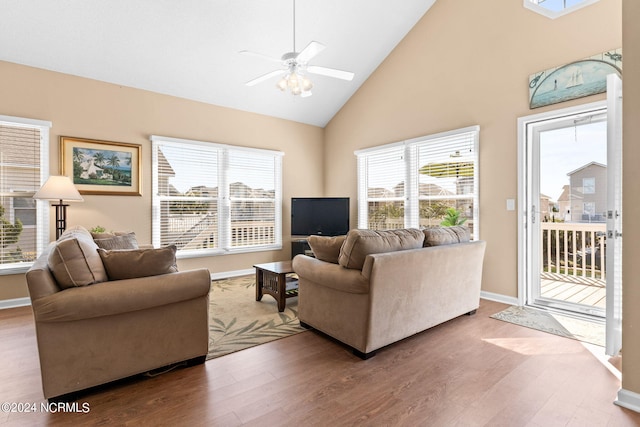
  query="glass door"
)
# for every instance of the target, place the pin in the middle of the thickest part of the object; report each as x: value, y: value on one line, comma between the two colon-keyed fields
x: 568, y: 207
x: 614, y: 216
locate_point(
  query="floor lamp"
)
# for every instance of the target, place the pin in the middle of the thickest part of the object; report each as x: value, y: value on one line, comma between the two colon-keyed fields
x: 59, y: 188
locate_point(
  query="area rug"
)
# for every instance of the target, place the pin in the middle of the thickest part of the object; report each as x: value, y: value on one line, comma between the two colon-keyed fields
x: 553, y: 323
x: 237, y: 321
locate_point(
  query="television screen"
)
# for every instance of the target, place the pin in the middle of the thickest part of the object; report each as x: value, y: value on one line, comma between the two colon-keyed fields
x: 325, y: 216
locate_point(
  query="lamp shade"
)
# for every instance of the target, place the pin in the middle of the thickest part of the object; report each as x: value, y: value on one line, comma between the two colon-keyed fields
x: 58, y: 188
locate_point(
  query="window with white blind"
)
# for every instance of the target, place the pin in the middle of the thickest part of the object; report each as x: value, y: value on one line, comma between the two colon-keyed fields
x: 426, y: 181
x: 212, y: 198
x: 24, y: 222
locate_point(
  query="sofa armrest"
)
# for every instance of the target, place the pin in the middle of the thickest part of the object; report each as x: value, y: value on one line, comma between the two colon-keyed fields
x: 40, y: 280
x: 330, y: 275
x: 122, y: 296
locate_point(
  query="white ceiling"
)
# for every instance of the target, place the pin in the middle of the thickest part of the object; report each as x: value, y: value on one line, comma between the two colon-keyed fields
x: 189, y: 48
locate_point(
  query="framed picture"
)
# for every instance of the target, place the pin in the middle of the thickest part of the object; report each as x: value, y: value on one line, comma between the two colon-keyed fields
x: 575, y: 80
x: 101, y: 167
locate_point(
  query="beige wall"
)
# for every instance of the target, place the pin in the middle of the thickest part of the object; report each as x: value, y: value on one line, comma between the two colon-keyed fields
x: 91, y: 109
x: 446, y: 74
x: 463, y: 64
x: 631, y: 198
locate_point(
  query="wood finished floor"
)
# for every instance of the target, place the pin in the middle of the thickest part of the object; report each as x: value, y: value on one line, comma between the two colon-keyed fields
x: 472, y: 371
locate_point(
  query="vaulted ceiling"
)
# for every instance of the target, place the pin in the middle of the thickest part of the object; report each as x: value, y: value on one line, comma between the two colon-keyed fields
x: 190, y: 48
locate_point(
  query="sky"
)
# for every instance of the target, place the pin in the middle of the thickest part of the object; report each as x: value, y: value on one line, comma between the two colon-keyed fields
x: 565, y: 150
x: 558, y: 5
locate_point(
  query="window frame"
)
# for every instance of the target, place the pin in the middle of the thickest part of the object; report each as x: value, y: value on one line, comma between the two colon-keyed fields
x: 591, y: 186
x: 224, y: 199
x: 411, y: 196
x: 41, y: 206
x: 553, y: 14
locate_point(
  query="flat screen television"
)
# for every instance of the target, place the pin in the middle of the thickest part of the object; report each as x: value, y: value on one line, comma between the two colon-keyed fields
x: 325, y: 216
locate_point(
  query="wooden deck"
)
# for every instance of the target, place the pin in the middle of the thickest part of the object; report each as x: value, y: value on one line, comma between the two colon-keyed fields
x: 574, y: 289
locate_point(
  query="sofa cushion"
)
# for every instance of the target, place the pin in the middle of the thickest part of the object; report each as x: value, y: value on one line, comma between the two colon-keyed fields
x: 74, y: 260
x: 107, y: 234
x: 326, y: 248
x: 436, y: 236
x: 360, y: 243
x: 117, y: 241
x: 130, y: 264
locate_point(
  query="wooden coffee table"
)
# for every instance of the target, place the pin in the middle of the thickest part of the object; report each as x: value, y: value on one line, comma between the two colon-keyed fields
x: 272, y: 279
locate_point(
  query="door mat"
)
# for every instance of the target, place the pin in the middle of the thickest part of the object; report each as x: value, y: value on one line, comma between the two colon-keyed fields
x: 592, y: 332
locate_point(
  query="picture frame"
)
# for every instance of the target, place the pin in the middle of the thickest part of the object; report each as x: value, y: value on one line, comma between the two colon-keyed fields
x: 102, y: 167
x: 574, y: 80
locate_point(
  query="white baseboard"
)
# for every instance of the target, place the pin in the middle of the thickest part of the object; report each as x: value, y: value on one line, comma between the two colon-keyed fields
x: 499, y: 298
x: 13, y: 303
x: 234, y: 273
x: 628, y: 399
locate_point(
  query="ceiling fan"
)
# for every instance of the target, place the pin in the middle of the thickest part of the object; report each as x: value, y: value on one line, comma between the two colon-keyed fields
x: 295, y: 66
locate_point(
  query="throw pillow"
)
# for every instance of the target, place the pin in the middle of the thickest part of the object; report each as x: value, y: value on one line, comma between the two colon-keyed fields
x: 436, y: 236
x: 360, y: 243
x: 134, y: 263
x: 73, y: 260
x: 326, y: 248
x: 124, y: 241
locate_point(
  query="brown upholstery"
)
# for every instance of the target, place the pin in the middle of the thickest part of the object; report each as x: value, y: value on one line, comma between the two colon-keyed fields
x: 326, y: 248
x: 101, y: 332
x: 395, y: 295
x: 360, y: 243
x: 130, y: 264
x: 436, y: 236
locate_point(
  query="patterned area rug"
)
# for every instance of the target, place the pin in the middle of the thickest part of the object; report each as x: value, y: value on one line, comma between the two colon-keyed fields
x: 565, y: 326
x: 237, y: 321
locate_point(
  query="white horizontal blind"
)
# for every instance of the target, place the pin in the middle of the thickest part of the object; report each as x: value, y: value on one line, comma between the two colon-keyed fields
x: 414, y: 183
x: 24, y: 221
x: 255, y: 201
x: 447, y: 172
x: 212, y: 198
x: 186, y: 199
x: 381, y: 188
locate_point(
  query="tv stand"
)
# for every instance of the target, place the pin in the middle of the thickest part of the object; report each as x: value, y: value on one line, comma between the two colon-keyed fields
x: 300, y: 247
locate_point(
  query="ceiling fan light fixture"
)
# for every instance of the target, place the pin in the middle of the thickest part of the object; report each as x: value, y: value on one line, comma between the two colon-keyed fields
x: 296, y: 65
x: 306, y: 84
x: 282, y: 84
x: 293, y: 81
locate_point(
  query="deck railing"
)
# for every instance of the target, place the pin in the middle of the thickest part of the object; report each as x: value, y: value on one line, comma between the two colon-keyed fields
x: 573, y: 249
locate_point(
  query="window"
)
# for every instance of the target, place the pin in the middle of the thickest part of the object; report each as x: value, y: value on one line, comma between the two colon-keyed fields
x: 589, y: 208
x: 24, y: 222
x: 211, y: 198
x: 588, y: 185
x: 556, y: 8
x: 422, y: 182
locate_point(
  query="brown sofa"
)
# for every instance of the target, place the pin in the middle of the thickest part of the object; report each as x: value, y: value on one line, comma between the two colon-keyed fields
x: 386, y: 285
x: 92, y: 329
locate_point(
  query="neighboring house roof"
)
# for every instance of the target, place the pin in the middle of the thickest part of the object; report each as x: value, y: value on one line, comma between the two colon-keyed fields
x: 586, y: 166
x: 564, y: 197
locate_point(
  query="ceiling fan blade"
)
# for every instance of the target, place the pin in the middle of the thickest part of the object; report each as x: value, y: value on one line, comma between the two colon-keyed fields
x: 311, y: 50
x: 331, y: 72
x: 264, y: 77
x: 259, y: 55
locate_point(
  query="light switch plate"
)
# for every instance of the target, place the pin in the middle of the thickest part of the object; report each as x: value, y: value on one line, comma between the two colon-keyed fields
x: 511, y: 204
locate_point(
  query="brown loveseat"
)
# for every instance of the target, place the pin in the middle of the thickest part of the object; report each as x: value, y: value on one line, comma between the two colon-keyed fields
x: 92, y: 329
x: 374, y: 288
